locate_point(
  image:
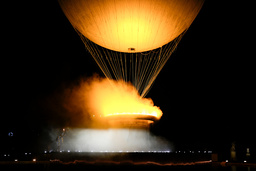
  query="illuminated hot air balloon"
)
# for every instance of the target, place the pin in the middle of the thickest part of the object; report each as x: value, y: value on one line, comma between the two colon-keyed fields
x: 131, y: 39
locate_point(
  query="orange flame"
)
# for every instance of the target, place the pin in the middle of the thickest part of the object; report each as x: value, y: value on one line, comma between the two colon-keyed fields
x: 106, y: 98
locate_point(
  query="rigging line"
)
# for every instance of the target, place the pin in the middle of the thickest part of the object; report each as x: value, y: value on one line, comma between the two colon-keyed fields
x: 125, y: 66
x: 142, y: 62
x: 161, y: 60
x: 167, y: 53
x: 154, y: 67
x: 94, y: 53
x: 113, y: 64
x: 146, y: 89
x: 100, y: 58
x: 149, y: 66
x: 139, y: 68
x: 106, y: 54
x: 137, y: 78
x: 119, y: 67
x: 132, y: 68
x: 158, y: 68
x: 146, y: 65
x: 170, y: 50
x: 164, y: 58
x: 121, y: 64
x: 136, y: 72
x: 147, y: 86
x: 89, y: 48
x: 158, y: 64
x: 139, y: 64
x: 143, y: 71
x: 101, y: 65
x: 145, y: 74
x: 109, y: 54
x: 110, y: 62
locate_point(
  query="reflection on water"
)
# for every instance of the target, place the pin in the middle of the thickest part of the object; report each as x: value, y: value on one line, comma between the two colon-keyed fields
x: 234, y: 168
x: 117, y: 166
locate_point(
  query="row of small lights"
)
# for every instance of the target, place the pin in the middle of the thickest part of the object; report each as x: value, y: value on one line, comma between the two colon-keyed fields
x: 209, y: 152
x: 120, y: 151
x: 245, y: 161
x: 111, y: 151
x: 34, y: 160
x: 8, y: 155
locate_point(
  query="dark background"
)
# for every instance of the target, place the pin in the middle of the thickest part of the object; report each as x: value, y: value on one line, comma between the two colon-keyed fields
x: 206, y: 90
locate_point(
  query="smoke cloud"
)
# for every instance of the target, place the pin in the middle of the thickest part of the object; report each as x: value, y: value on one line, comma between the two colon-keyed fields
x: 81, y: 107
x: 94, y: 98
x: 111, y: 140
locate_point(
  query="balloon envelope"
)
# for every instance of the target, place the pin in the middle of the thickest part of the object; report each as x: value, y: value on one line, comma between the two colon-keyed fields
x: 131, y: 25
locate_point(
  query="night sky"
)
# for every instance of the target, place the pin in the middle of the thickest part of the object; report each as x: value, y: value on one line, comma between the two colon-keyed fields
x: 206, y: 90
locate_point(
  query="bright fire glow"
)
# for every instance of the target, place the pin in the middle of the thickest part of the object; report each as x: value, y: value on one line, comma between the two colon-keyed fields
x: 103, y: 98
x: 124, y: 113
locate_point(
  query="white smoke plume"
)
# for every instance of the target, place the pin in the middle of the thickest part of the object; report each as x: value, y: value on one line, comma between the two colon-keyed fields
x: 111, y: 140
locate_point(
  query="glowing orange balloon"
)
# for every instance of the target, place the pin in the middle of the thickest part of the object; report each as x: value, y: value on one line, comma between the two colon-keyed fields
x: 131, y: 25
